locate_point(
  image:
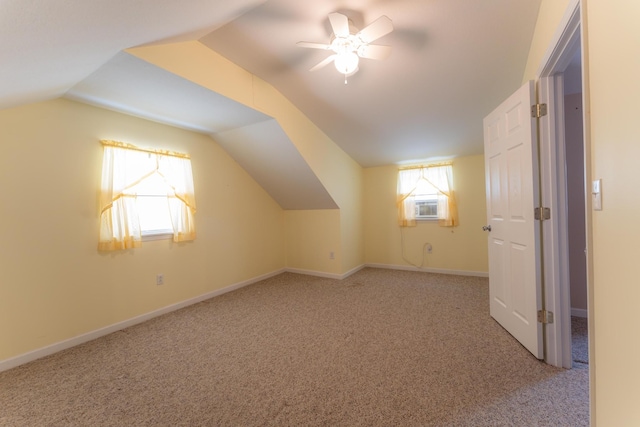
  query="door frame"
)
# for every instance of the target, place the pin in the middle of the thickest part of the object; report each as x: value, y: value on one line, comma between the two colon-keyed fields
x: 550, y: 85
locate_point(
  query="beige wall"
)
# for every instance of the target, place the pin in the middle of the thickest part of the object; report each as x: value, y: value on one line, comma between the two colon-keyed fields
x: 549, y: 16
x: 54, y: 284
x: 613, y: 37
x: 339, y: 173
x: 308, y: 248
x: 462, y: 248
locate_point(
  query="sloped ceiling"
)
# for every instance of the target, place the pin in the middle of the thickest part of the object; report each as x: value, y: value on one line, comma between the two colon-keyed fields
x: 131, y: 85
x: 452, y: 62
x: 265, y: 151
x: 47, y: 46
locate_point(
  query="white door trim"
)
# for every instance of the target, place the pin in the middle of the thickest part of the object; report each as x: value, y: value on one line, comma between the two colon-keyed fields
x: 566, y: 38
x: 552, y: 168
x: 555, y: 231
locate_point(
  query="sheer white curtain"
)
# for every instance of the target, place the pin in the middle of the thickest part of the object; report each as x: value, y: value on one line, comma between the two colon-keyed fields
x: 439, y: 177
x: 407, y: 185
x: 123, y: 167
x: 182, y: 205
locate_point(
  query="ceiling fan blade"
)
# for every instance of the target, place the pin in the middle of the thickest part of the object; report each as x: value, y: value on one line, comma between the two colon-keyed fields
x: 378, y: 28
x: 374, y: 51
x: 339, y: 24
x: 323, y: 63
x: 313, y: 45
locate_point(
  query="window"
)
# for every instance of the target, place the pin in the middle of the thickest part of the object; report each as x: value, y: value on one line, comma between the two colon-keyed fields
x: 144, y: 193
x: 425, y: 198
x: 426, y: 192
x: 153, y: 206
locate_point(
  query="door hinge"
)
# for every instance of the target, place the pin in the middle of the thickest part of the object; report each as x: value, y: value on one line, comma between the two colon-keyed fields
x: 541, y: 214
x: 538, y: 110
x: 545, y: 316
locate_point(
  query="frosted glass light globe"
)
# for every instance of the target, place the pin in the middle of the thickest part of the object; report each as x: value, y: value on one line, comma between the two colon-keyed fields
x: 347, y: 63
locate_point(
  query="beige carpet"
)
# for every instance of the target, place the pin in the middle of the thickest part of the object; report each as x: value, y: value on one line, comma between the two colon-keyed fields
x: 580, y: 341
x: 381, y: 348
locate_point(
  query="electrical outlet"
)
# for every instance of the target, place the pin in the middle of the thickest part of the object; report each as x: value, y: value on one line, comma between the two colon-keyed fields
x: 160, y: 279
x: 332, y: 255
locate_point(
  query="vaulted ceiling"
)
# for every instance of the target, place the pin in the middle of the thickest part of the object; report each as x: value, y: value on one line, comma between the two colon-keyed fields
x: 452, y: 62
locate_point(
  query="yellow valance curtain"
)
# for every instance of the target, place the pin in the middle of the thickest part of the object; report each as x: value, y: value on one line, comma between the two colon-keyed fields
x: 123, y: 167
x: 440, y: 177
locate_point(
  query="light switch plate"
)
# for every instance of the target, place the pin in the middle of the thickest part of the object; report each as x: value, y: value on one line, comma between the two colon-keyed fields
x: 596, y: 193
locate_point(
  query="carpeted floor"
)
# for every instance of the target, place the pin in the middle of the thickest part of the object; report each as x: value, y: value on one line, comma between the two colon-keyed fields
x: 380, y: 348
x: 579, y: 341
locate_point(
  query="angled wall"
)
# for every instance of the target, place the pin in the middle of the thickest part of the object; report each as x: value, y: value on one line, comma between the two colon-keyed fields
x: 267, y: 154
x: 338, y: 173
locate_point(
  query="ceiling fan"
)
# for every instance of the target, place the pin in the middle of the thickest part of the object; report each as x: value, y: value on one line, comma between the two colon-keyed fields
x: 349, y: 47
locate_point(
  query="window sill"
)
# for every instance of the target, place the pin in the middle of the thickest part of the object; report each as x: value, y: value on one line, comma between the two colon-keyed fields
x: 159, y: 236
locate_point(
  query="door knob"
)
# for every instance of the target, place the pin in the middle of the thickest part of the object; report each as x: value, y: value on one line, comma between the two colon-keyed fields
x: 486, y: 228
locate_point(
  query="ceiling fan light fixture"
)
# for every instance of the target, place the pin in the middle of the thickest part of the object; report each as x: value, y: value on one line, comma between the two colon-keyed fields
x: 347, y: 63
x: 349, y: 44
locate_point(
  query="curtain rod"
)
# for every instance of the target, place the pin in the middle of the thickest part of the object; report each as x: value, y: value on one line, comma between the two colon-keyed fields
x: 430, y: 165
x: 126, y: 146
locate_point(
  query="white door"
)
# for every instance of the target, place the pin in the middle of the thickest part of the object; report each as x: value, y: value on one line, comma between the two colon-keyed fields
x: 511, y: 168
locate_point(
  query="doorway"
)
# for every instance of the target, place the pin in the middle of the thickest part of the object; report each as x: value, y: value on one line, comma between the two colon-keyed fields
x: 576, y: 227
x: 556, y: 189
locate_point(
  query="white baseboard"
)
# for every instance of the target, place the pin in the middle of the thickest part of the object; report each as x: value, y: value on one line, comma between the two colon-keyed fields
x: 430, y: 270
x: 353, y: 271
x: 313, y: 273
x: 92, y: 335
x: 89, y: 336
x: 579, y: 312
x: 324, y: 274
